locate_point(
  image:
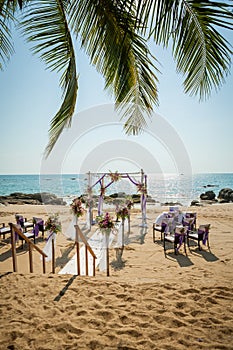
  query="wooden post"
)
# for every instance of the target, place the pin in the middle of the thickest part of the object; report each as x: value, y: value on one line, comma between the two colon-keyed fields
x: 129, y: 223
x: 77, y: 250
x: 123, y: 233
x: 86, y: 259
x: 93, y: 266
x: 14, y: 259
x: 90, y: 200
x: 30, y: 258
x: 107, y: 252
x: 43, y: 263
x: 53, y: 256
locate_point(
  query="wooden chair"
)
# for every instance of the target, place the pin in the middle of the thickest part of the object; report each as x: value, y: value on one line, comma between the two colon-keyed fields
x: 177, y: 239
x: 20, y: 220
x: 28, y: 234
x: 40, y: 223
x: 158, y: 228
x: 199, y: 235
x: 4, y: 230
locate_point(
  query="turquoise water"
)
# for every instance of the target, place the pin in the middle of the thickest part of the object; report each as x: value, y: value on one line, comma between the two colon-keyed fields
x: 163, y: 188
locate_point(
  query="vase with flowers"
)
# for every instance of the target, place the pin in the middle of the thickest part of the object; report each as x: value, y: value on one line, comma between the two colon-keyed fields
x: 77, y: 208
x: 53, y: 224
x: 105, y: 223
x: 122, y: 213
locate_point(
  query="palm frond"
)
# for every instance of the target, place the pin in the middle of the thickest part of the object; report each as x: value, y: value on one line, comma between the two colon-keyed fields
x: 46, y: 25
x: 203, y: 55
x: 6, y: 43
x: 108, y: 36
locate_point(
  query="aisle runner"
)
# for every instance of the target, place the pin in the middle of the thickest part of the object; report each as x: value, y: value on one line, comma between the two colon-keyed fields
x: 98, y: 245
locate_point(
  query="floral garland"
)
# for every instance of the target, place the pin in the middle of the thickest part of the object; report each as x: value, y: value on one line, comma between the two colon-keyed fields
x: 105, y: 222
x: 53, y: 224
x: 76, y: 207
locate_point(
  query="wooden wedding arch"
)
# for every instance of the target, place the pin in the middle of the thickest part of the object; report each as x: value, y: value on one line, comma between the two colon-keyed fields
x: 105, y: 180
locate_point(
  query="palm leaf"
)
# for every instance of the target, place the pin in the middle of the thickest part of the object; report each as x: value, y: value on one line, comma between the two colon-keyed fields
x: 6, y: 44
x: 107, y: 34
x: 202, y: 54
x: 46, y: 25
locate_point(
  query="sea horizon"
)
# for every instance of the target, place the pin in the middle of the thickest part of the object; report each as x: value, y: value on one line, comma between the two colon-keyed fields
x: 162, y: 188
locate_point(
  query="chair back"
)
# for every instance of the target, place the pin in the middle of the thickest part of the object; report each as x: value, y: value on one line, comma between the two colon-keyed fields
x: 19, y: 220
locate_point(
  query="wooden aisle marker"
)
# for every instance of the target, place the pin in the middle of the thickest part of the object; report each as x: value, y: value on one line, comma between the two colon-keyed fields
x: 107, y: 252
x: 87, y: 248
x: 53, y: 256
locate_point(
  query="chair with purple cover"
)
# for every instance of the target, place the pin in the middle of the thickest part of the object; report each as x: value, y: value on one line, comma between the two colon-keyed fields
x: 177, y: 238
x: 4, y: 230
x: 159, y: 228
x: 40, y: 225
x: 20, y: 220
x: 190, y: 220
x: 29, y: 234
x: 200, y: 235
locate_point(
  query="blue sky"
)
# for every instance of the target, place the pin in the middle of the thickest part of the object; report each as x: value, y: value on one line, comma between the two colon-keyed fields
x: 30, y: 97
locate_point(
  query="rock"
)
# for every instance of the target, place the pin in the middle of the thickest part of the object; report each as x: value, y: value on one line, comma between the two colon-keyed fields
x: 171, y: 204
x: 32, y: 198
x: 117, y: 195
x: 226, y: 194
x: 195, y: 203
x: 208, y: 195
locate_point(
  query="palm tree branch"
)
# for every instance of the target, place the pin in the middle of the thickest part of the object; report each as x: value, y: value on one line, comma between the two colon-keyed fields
x: 6, y: 44
x: 46, y: 25
x: 108, y: 36
x: 202, y: 53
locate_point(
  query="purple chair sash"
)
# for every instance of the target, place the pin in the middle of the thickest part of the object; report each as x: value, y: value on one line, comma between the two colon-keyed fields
x: 20, y: 221
x: 180, y: 239
x: 205, y: 234
x: 36, y: 230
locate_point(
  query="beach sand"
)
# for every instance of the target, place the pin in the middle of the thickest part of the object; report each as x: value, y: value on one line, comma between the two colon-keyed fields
x: 148, y: 302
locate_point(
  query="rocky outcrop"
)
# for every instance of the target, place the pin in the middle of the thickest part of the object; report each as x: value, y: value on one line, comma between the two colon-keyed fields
x: 225, y: 195
x: 208, y: 196
x: 196, y: 203
x: 32, y: 198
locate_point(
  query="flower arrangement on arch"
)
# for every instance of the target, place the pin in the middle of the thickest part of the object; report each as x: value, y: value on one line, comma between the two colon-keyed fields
x: 53, y: 223
x: 105, y: 222
x: 77, y: 207
x: 122, y: 213
x: 114, y: 176
x: 141, y: 188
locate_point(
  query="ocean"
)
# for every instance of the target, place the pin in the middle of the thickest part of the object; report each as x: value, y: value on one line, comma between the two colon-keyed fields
x: 162, y: 188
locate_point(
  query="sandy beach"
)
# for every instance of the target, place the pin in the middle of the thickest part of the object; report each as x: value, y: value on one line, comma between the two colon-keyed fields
x: 150, y: 301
